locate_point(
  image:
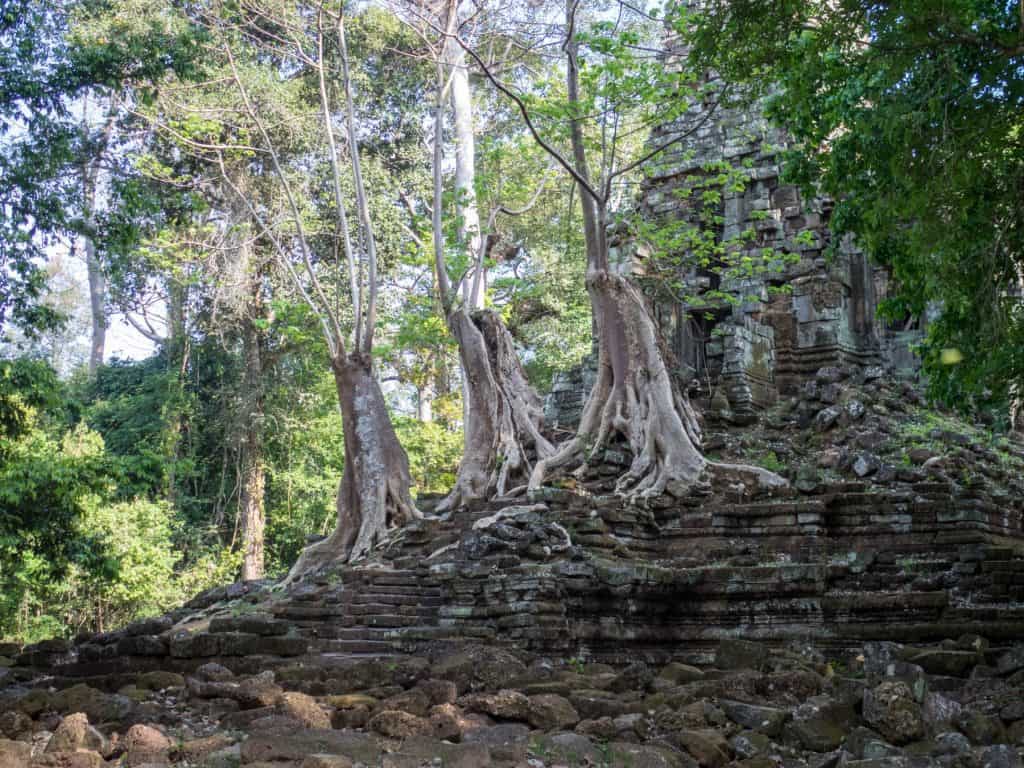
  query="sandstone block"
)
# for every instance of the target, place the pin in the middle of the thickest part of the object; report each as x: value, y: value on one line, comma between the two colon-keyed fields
x: 15, y: 754
x: 550, y: 711
x: 505, y: 704
x: 304, y: 709
x: 399, y: 725
x: 891, y: 709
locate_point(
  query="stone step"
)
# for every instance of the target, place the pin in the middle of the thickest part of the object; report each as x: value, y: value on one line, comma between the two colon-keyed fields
x: 356, y: 647
x: 396, y: 591
x: 379, y: 640
x: 317, y: 611
x: 382, y: 609
x: 388, y: 620
x: 388, y: 598
x: 397, y: 578
x: 370, y: 633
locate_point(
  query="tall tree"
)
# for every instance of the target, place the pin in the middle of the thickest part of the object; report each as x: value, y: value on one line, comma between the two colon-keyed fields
x: 374, y: 492
x: 502, y: 412
x: 635, y: 398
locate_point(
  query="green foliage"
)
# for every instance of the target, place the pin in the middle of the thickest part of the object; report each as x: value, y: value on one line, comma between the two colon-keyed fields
x: 681, y: 246
x: 434, y: 452
x: 909, y: 115
x: 28, y: 388
x: 78, y: 548
x: 45, y: 484
x: 132, y: 406
x: 48, y: 480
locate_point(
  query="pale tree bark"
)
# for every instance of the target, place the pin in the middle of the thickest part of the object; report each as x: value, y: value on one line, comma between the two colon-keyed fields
x: 424, y: 404
x: 503, y: 435
x: 374, y: 495
x: 97, y: 306
x: 97, y: 279
x: 474, y: 285
x: 502, y: 412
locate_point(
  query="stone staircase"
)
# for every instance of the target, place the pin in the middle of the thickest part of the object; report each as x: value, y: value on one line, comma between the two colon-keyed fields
x: 837, y: 567
x: 366, y: 610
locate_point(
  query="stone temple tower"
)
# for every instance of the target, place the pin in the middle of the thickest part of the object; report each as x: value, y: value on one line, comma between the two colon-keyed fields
x: 780, y: 327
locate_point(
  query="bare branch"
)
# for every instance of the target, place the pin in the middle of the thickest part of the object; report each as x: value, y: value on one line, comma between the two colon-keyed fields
x: 336, y: 170
x: 293, y: 205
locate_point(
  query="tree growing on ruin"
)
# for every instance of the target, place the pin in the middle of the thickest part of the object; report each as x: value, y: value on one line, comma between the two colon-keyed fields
x: 502, y: 411
x: 332, y: 267
x: 611, y: 99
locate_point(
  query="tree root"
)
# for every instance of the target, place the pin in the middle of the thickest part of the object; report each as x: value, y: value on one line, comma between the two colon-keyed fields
x: 373, y: 496
x: 636, y: 400
x: 505, y: 413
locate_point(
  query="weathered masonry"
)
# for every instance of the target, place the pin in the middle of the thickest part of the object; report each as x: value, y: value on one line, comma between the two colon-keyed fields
x: 780, y: 327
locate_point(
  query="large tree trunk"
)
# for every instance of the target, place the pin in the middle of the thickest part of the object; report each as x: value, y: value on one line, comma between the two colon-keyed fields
x: 252, y: 520
x: 635, y: 399
x: 504, y: 429
x: 251, y: 515
x: 474, y: 286
x: 374, y: 493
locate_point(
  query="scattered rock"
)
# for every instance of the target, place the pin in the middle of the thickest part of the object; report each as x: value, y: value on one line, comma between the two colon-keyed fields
x: 980, y: 728
x: 258, y: 691
x: 159, y: 680
x: 940, y: 661
x: 304, y: 709
x: 1000, y: 756
x: 767, y: 720
x: 327, y: 761
x: 550, y: 711
x: 827, y: 418
x: 195, y: 750
x: 820, y: 724
x: 15, y: 754
x: 439, y: 691
x: 508, y: 741
x: 891, y: 709
x: 708, y: 747
x: 866, y: 464
x: 399, y: 725
x: 675, y: 673
x: 478, y: 667
x: 146, y: 745
x: 74, y: 732
x: 282, y: 746
x: 504, y: 704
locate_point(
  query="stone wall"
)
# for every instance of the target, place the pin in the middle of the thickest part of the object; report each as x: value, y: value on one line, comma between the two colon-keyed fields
x: 818, y: 310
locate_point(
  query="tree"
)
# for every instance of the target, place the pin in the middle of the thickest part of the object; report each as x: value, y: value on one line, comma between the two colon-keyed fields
x: 64, y: 94
x: 618, y: 97
x: 374, y: 492
x: 909, y: 115
x: 503, y: 412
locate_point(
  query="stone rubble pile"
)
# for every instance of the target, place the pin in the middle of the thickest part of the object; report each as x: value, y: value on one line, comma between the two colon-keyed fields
x: 955, y: 704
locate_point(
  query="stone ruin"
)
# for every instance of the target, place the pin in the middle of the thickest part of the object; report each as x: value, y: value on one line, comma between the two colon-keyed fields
x: 781, y: 327
x: 869, y: 616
